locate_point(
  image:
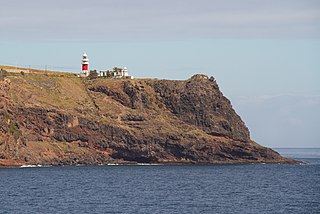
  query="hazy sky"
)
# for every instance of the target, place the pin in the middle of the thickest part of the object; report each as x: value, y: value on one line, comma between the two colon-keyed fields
x: 265, y: 55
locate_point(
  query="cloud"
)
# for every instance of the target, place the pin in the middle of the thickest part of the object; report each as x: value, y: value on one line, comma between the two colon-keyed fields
x: 150, y: 19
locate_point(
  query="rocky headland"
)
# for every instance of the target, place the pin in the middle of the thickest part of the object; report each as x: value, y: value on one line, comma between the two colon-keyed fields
x: 59, y: 119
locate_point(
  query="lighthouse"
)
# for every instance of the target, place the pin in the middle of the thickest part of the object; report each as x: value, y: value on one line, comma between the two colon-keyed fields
x: 85, y: 65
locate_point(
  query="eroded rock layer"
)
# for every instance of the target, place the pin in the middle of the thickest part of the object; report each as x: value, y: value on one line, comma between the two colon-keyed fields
x: 53, y: 119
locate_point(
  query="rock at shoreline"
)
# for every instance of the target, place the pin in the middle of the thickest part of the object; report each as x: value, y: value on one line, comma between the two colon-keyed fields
x: 64, y: 120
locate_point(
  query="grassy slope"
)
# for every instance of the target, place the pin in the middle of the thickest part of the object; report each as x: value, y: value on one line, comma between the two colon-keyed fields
x: 69, y: 94
x: 65, y: 93
x: 39, y: 71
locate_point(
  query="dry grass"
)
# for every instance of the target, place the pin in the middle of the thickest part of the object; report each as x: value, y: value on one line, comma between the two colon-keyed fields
x: 69, y: 94
x: 37, y: 71
x: 49, y: 92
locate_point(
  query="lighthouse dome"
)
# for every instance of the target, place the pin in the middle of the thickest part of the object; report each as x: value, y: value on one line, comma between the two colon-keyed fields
x: 85, y: 59
x: 84, y: 56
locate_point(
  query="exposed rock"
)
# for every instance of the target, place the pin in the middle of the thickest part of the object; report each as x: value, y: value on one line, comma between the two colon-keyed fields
x: 199, y: 101
x: 56, y: 120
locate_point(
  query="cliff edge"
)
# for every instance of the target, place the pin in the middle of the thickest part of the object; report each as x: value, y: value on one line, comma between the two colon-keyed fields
x: 59, y: 119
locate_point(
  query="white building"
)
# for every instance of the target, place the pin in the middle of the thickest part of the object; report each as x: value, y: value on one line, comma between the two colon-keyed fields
x: 116, y: 73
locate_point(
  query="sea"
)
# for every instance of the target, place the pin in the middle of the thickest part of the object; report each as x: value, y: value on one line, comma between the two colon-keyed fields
x: 239, y: 188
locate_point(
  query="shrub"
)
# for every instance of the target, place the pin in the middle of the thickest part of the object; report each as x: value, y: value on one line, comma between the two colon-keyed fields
x: 12, y: 128
x: 3, y: 73
x: 93, y: 74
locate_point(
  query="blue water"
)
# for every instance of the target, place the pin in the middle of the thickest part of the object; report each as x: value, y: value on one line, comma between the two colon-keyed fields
x: 252, y: 188
x: 309, y: 156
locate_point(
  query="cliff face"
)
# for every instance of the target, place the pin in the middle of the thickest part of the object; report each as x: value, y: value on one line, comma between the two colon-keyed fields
x: 61, y: 119
x: 198, y: 101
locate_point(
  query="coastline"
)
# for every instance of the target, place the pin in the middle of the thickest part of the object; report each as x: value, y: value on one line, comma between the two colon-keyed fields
x: 21, y: 164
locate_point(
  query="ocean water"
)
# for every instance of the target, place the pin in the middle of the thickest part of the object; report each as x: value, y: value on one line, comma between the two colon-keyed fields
x: 251, y: 188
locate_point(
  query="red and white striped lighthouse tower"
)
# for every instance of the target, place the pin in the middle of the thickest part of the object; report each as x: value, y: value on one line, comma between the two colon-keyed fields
x: 85, y: 65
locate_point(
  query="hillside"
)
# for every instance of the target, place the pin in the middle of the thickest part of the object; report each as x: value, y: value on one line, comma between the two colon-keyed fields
x: 58, y: 119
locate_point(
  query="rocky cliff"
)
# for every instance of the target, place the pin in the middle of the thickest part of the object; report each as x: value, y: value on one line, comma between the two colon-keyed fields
x: 59, y: 119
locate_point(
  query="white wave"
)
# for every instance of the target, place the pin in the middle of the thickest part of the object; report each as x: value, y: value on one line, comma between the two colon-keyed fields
x: 149, y: 164
x: 31, y: 166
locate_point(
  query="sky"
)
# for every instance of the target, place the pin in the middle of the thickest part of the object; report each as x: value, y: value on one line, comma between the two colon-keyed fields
x: 265, y: 55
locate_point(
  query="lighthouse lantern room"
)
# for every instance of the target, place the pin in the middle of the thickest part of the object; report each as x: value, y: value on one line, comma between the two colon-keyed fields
x: 85, y: 65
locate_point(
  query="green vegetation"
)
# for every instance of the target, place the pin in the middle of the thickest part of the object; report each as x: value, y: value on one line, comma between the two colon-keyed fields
x: 7, y: 116
x: 14, y: 131
x: 3, y: 73
x: 12, y: 128
x: 93, y: 75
